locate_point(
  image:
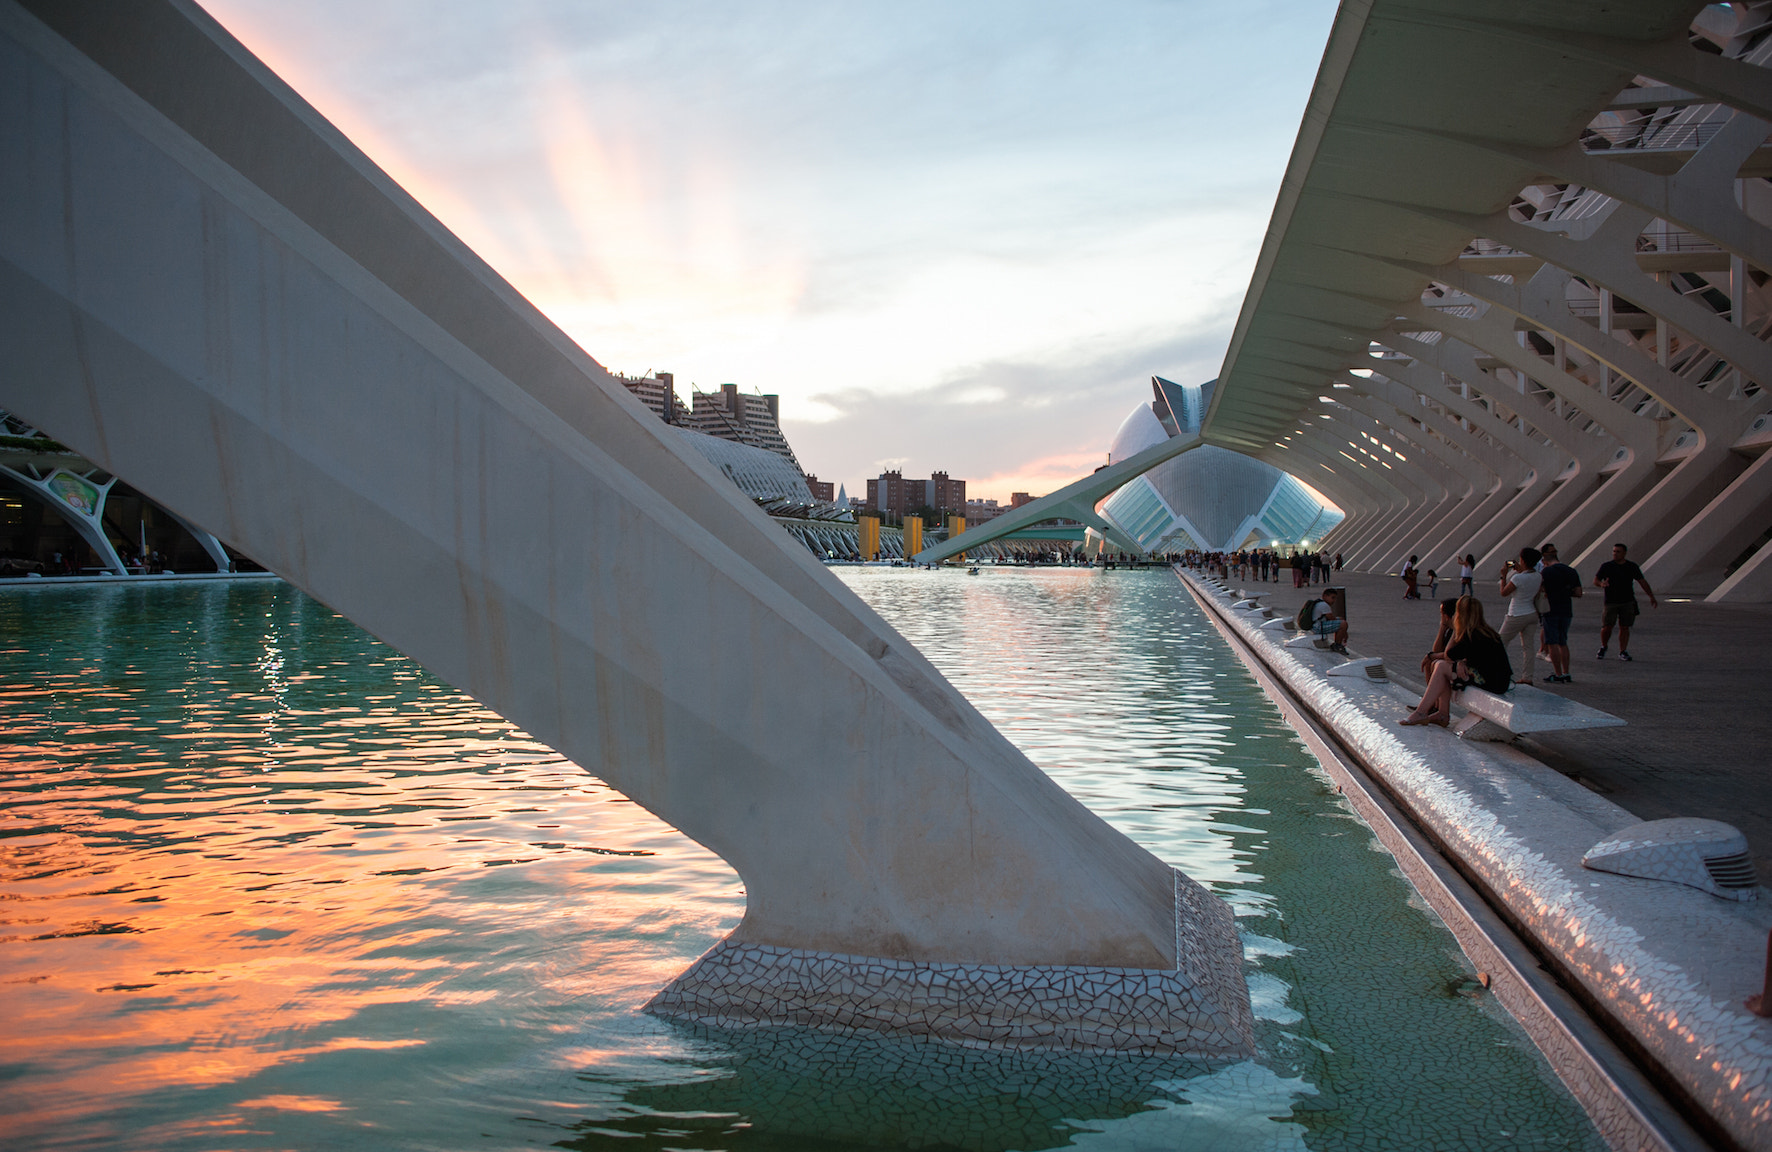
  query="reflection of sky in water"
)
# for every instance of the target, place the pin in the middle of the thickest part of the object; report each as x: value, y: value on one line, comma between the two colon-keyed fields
x: 264, y: 883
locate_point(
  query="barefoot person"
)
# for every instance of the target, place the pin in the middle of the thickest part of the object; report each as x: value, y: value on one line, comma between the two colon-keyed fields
x: 1475, y: 658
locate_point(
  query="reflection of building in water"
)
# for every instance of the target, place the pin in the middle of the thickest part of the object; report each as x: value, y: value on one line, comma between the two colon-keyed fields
x: 1210, y: 498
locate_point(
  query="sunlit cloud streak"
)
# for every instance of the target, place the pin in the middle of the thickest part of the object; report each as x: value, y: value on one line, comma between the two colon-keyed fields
x: 931, y: 228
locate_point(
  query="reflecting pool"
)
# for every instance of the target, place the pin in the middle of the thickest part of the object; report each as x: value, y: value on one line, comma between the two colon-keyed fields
x: 264, y: 883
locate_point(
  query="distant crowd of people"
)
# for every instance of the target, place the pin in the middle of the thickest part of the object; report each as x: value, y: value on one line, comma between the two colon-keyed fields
x: 1266, y: 564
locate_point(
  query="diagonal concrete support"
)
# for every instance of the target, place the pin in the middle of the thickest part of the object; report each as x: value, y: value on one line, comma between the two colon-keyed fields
x: 207, y: 290
x: 1075, y: 501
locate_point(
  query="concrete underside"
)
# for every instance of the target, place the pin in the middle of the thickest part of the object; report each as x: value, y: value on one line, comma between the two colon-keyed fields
x: 208, y: 291
x: 1668, y: 966
x: 1478, y: 321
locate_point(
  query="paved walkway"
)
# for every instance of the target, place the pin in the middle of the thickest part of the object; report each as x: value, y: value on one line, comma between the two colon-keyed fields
x: 1697, y: 699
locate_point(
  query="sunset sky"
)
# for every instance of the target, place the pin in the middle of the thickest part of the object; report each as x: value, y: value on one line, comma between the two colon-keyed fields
x: 953, y: 237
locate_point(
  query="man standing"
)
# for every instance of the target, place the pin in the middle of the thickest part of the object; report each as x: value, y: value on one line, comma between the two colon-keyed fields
x: 1561, y: 584
x: 1616, y: 576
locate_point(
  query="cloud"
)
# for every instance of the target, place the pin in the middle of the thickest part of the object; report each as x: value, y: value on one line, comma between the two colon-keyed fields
x: 1052, y: 422
x: 962, y: 235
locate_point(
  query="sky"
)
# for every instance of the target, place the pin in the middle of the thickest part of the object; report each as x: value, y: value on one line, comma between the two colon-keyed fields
x: 952, y: 237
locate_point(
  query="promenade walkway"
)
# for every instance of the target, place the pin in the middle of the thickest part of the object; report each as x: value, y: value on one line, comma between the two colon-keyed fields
x: 1697, y: 698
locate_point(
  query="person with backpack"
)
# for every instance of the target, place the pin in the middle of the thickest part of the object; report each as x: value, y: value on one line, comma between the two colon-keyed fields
x: 1324, y: 617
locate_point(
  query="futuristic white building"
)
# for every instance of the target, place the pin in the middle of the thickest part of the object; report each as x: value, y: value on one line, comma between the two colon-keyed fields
x: 1210, y: 498
x: 1515, y: 290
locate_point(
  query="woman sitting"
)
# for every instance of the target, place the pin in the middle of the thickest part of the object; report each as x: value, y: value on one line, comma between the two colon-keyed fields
x: 1442, y: 638
x: 1474, y: 657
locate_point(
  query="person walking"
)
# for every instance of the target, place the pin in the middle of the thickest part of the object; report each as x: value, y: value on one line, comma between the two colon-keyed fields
x: 1520, y: 580
x: 1618, y: 577
x: 1467, y: 568
x: 1560, y: 584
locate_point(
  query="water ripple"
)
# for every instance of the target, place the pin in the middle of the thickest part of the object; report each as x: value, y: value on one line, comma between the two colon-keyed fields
x: 265, y: 883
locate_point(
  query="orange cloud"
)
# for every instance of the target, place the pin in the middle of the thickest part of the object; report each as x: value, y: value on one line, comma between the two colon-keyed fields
x: 1038, y: 476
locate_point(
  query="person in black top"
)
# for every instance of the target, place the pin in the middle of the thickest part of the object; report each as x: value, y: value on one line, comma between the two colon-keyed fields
x: 1561, y: 585
x: 1616, y: 576
x: 1475, y: 657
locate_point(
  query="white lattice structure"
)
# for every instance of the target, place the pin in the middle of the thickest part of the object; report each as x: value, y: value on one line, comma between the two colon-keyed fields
x: 1515, y: 290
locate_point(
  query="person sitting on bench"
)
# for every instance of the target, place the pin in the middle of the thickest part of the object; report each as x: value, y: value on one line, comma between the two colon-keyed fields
x: 1475, y: 657
x: 1442, y: 638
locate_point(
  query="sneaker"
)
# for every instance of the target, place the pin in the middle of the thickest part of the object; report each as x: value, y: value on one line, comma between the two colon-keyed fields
x: 1543, y: 655
x: 1623, y: 655
x: 1602, y: 654
x: 1553, y: 679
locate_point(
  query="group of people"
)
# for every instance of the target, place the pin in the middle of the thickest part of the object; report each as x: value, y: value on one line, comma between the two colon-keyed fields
x: 1541, y: 592
x: 1265, y: 565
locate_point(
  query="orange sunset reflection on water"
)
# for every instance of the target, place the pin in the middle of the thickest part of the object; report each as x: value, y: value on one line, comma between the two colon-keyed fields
x: 237, y: 830
x: 266, y: 884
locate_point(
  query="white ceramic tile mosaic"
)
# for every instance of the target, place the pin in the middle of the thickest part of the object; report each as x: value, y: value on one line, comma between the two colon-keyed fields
x: 1201, y: 1008
x: 1668, y: 962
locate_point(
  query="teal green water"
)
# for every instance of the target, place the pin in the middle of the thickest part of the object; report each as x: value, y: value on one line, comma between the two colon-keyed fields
x: 264, y: 884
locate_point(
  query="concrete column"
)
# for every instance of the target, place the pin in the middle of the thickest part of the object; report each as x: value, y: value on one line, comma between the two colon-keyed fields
x: 218, y: 297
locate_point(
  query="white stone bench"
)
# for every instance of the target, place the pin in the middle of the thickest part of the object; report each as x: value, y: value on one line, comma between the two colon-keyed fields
x: 1522, y: 711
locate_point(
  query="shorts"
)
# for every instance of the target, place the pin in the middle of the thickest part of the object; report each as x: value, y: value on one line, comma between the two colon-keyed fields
x: 1556, y: 629
x: 1623, y: 615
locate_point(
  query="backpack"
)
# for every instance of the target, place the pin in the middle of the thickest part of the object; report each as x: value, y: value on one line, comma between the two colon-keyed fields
x: 1303, y: 623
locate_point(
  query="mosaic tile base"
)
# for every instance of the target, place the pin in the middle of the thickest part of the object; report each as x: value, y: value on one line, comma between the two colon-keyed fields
x: 1199, y: 1009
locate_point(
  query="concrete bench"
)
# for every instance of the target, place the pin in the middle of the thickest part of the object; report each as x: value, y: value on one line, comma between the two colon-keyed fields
x: 1522, y: 711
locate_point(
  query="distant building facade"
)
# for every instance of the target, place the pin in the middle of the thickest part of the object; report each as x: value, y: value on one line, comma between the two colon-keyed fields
x: 1017, y: 499
x: 983, y: 511
x: 746, y: 417
x: 821, y: 489
x: 659, y: 393
x: 892, y: 492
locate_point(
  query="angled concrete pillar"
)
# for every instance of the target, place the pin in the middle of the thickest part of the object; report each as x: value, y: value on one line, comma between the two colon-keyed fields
x: 204, y: 288
x: 1077, y: 500
x: 1728, y: 524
